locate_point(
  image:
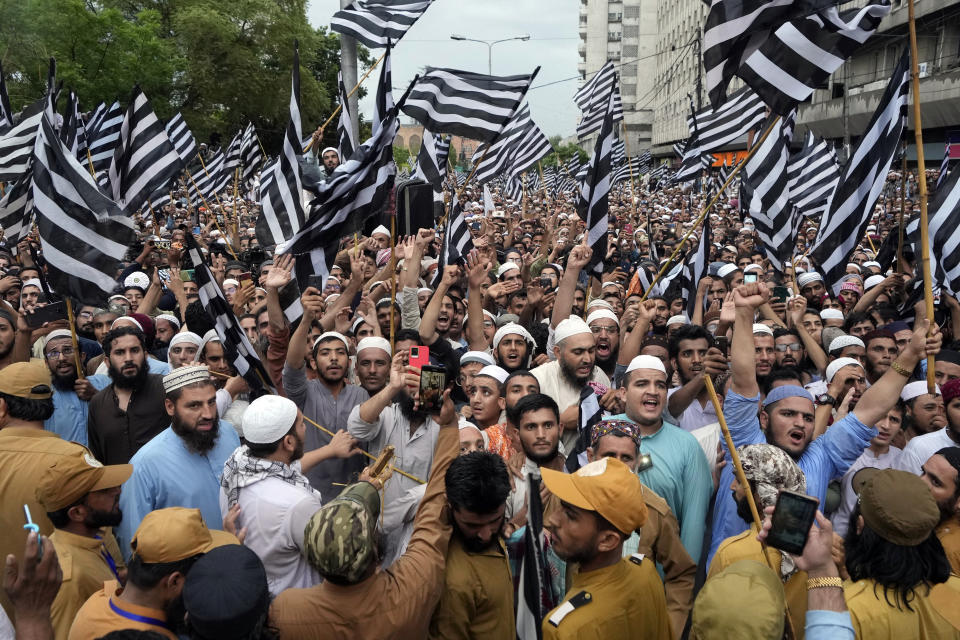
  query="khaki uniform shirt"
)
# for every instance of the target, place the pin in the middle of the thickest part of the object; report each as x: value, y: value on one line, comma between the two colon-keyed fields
x: 85, y: 568
x: 25, y: 453
x: 949, y: 535
x: 874, y: 619
x: 105, y: 611
x: 620, y: 602
x: 746, y: 547
x: 392, y: 603
x: 477, y: 599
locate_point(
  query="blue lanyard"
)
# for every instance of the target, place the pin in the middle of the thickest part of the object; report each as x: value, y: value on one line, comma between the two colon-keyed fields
x: 109, y: 560
x: 137, y: 618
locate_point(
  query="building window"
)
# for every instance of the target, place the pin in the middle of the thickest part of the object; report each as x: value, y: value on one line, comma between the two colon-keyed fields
x: 613, y: 36
x: 630, y: 50
x: 631, y: 31
x: 629, y: 89
x: 631, y: 12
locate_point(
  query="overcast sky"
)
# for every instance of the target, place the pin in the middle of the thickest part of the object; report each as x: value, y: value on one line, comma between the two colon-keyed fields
x: 552, y: 27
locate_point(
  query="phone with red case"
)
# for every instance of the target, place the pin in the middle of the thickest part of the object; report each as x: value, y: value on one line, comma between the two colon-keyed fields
x: 419, y: 357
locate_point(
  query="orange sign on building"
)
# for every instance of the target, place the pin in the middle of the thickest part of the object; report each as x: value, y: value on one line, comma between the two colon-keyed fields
x: 728, y: 158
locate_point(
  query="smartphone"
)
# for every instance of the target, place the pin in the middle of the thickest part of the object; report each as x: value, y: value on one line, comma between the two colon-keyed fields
x: 186, y: 275
x: 749, y: 277
x: 316, y: 282
x: 433, y: 380
x: 162, y: 244
x: 244, y: 277
x: 197, y: 230
x: 722, y: 344
x: 781, y: 294
x: 546, y: 282
x: 419, y: 357
x: 47, y: 313
x: 793, y: 516
x: 164, y: 275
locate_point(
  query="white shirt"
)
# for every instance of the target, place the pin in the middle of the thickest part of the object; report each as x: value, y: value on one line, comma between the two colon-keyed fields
x: 694, y: 416
x: 919, y: 450
x: 275, y: 513
x: 848, y: 498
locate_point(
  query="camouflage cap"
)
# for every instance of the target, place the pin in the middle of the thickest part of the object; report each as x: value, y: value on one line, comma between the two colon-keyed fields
x: 339, y: 538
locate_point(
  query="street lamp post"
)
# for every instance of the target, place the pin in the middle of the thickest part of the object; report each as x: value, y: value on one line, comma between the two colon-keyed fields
x: 489, y: 44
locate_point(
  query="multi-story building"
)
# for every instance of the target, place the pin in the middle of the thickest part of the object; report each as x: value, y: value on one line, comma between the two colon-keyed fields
x: 624, y: 31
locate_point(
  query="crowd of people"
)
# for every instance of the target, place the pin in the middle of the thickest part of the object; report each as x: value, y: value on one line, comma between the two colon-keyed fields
x: 164, y: 497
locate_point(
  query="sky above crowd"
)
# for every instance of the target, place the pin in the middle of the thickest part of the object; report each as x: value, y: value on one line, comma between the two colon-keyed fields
x: 552, y: 27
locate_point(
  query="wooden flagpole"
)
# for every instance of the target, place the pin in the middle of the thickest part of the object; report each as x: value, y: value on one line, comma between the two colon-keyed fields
x: 903, y: 206
x: 922, y: 187
x: 73, y: 338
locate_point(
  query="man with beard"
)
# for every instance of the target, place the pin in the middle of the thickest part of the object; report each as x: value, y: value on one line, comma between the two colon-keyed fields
x: 881, y: 350
x: 942, y: 474
x: 8, y: 337
x: 328, y: 399
x: 373, y: 363
x: 768, y: 470
x: 694, y: 356
x: 166, y: 326
x: 788, y: 348
x: 811, y: 288
x: 512, y: 346
x: 920, y: 448
x: 763, y: 350
x: 787, y: 417
x: 70, y: 393
x: 265, y: 478
x: 563, y: 379
x: 605, y: 326
x: 181, y: 466
x: 81, y: 497
x: 477, y: 599
x: 166, y: 545
x: 125, y: 415
x: 845, y: 387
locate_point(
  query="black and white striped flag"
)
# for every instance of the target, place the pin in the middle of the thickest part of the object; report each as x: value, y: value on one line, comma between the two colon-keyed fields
x: 593, y: 207
x: 84, y: 234
x: 463, y: 103
x: 534, y: 591
x: 736, y: 27
x: 232, y: 155
x: 428, y: 166
x: 862, y: 178
x: 6, y: 114
x: 625, y: 172
x: 250, y: 153
x: 181, y: 138
x: 685, y: 275
x: 679, y: 147
x: 802, y: 54
x: 944, y: 165
x: 377, y: 23
x: 457, y: 242
x: 813, y: 175
x: 764, y: 192
x: 383, y: 101
x: 592, y: 99
x: 619, y: 152
x: 282, y: 213
x: 236, y: 347
x: 16, y: 145
x: 345, y: 135
x: 443, y: 153
x: 210, y: 180
x: 103, y: 141
x: 16, y: 210
x: 590, y: 414
x: 715, y: 128
x: 516, y: 149
x: 144, y: 159
x: 943, y: 222
x: 73, y: 133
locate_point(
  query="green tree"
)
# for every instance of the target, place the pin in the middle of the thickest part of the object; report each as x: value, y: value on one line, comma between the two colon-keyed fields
x: 401, y: 155
x: 563, y: 152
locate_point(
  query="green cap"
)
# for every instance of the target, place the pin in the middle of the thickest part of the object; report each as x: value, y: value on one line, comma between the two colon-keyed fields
x: 340, y: 538
x: 897, y: 505
x: 745, y: 600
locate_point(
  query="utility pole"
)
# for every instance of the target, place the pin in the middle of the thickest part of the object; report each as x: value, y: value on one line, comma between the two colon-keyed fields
x: 348, y: 69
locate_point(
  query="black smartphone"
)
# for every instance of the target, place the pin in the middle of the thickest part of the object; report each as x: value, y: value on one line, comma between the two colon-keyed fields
x: 46, y: 313
x: 793, y: 516
x: 781, y: 294
x: 749, y: 277
x: 546, y: 282
x: 433, y: 380
x: 722, y: 344
x: 316, y: 282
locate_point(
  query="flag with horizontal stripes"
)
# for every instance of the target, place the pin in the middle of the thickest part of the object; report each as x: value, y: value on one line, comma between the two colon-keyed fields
x: 251, y: 155
x: 16, y: 145
x: 232, y: 155
x: 516, y: 149
x: 812, y: 176
x: 944, y: 165
x: 377, y: 23
x: 16, y: 210
x: 345, y: 134
x: 619, y: 152
x: 801, y: 54
x: 686, y: 274
x: 714, y: 128
x: 592, y: 99
x: 6, y: 114
x: 236, y: 347
x: 457, y: 242
x: 428, y: 166
x: 144, y: 159
x: 93, y: 121
x: 590, y: 414
x: 73, y: 133
x: 628, y: 170
x: 181, y: 138
x: 593, y: 207
x: 942, y: 225
x: 862, y: 178
x: 103, y: 140
x: 210, y: 180
x: 463, y: 103
x: 534, y: 593
x: 383, y: 101
x: 84, y: 234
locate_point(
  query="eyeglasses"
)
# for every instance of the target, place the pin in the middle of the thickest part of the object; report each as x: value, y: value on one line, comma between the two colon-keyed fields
x: 793, y: 346
x: 66, y: 353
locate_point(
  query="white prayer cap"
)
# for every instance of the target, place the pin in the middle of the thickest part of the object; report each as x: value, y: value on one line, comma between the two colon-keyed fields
x: 505, y: 267
x: 913, y: 389
x: 647, y: 362
x: 135, y: 279
x: 374, y: 342
x: 872, y: 263
x: 599, y: 302
x: 334, y: 149
x: 844, y: 341
x: 568, y: 327
x: 808, y: 278
x: 427, y: 289
x: 508, y: 329
x: 726, y: 270
x: 678, y: 319
x: 602, y: 313
x: 497, y: 373
x: 230, y: 282
x: 831, y: 314
x: 57, y: 333
x: 753, y: 265
x: 331, y: 335
x: 132, y: 321
x: 838, y: 364
x: 183, y: 376
x: 268, y: 418
x: 762, y: 328
x: 35, y: 282
x: 381, y: 230
x: 873, y: 281
x: 186, y: 336
x: 169, y: 318
x: 854, y: 265
x: 482, y: 357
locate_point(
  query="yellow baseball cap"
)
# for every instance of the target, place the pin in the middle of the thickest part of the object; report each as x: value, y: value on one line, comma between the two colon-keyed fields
x: 72, y: 477
x: 30, y: 380
x: 174, y: 534
x: 606, y: 486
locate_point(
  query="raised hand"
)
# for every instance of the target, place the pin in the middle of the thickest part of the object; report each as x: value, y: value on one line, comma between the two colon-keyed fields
x: 280, y: 274
x: 750, y: 295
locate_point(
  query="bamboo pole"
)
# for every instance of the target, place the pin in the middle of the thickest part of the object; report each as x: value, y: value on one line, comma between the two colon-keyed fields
x: 393, y: 281
x: 903, y: 207
x: 73, y: 339
x: 90, y: 162
x: 745, y: 485
x: 922, y: 187
x: 340, y: 106
x: 706, y: 209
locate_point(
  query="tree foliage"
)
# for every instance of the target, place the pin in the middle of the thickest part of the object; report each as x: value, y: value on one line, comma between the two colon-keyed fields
x: 563, y: 152
x: 221, y: 64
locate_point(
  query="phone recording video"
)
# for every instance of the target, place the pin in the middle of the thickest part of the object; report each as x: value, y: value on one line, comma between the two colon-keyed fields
x: 433, y: 380
x: 793, y: 516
